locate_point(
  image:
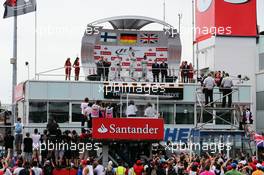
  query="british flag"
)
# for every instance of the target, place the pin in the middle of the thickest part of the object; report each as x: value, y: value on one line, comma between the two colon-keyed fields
x: 147, y: 38
x: 259, y: 139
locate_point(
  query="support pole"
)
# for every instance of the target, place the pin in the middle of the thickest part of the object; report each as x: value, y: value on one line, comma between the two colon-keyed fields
x: 164, y: 11
x: 36, y: 44
x: 180, y: 17
x: 193, y: 31
x: 197, y: 62
x: 105, y: 150
x: 14, y: 62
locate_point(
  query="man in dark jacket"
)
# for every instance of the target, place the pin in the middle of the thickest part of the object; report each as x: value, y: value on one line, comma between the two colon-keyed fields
x: 185, y: 70
x: 8, y: 143
x: 100, y: 69
x: 155, y: 71
x: 106, y: 65
x: 164, y: 71
x: 28, y: 149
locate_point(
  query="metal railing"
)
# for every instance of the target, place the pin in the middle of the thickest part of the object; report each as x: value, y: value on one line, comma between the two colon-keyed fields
x: 116, y: 74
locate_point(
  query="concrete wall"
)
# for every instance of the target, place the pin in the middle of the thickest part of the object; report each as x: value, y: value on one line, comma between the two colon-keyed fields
x: 260, y: 103
x: 260, y: 87
x: 77, y: 91
x: 236, y: 55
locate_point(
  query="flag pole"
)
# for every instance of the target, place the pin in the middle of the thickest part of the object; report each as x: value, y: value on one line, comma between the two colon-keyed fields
x: 193, y: 34
x: 195, y: 51
x: 256, y: 150
x: 14, y: 62
x: 36, y: 43
x: 164, y: 12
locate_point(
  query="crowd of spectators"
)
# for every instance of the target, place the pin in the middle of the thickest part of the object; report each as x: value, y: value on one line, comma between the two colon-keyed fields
x: 158, y: 164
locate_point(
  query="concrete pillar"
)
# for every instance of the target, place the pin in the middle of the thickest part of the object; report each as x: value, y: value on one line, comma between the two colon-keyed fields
x: 105, y: 150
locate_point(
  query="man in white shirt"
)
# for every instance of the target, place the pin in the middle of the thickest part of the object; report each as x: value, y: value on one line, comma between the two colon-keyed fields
x: 84, y: 105
x: 99, y: 169
x: 19, y: 168
x: 36, y: 143
x: 90, y: 167
x: 150, y: 111
x: 208, y: 85
x: 88, y: 115
x: 131, y: 110
x: 227, y: 85
x: 36, y: 169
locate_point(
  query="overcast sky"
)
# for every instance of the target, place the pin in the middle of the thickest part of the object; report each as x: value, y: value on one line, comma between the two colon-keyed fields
x: 61, y: 25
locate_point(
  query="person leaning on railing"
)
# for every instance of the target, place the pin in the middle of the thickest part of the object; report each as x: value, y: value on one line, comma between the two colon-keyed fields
x: 131, y: 110
x: 226, y: 86
x: 150, y: 111
x: 208, y: 87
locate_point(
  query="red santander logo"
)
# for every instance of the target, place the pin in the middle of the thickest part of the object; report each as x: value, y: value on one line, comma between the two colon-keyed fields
x: 128, y: 129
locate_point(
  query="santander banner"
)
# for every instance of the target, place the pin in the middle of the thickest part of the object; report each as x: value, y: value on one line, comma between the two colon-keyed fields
x: 128, y: 129
x: 225, y: 18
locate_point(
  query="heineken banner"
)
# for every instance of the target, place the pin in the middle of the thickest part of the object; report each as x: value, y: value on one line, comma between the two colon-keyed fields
x: 19, y: 7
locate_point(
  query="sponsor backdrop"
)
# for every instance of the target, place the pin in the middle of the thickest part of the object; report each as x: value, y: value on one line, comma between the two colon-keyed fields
x: 114, y: 45
x: 122, y: 54
x: 225, y: 17
x: 128, y: 129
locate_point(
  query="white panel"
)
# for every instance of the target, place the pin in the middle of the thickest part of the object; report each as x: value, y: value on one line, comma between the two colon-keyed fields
x: 260, y: 120
x: 58, y: 90
x: 260, y: 82
x: 81, y: 90
x: 37, y: 90
x: 206, y: 58
x: 236, y: 55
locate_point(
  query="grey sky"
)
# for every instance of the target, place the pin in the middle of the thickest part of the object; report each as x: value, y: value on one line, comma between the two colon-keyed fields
x: 61, y: 25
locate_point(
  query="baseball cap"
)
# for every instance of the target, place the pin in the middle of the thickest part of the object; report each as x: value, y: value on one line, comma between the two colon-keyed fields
x: 243, y: 162
x: 138, y: 162
x: 258, y: 165
x: 84, y: 162
x: 233, y: 165
x: 229, y: 167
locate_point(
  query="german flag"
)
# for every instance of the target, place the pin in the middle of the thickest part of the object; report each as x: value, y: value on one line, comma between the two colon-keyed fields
x: 128, y: 38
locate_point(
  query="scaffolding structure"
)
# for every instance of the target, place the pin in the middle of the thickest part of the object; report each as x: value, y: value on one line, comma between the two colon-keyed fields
x: 218, y: 113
